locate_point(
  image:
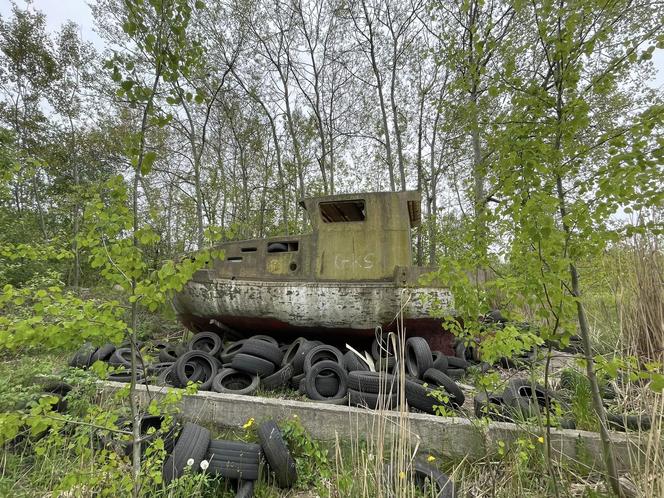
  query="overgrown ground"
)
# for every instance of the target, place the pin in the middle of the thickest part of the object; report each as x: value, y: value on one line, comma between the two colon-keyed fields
x: 65, y: 462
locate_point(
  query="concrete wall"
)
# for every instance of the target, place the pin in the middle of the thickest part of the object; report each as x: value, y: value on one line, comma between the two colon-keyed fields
x: 453, y: 438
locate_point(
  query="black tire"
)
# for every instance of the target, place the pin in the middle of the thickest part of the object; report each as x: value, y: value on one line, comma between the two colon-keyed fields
x: 422, y: 473
x: 295, y: 381
x: 121, y: 357
x: 322, y: 353
x: 262, y: 349
x: 159, y: 345
x: 231, y: 470
x: 279, y: 378
x: 233, y: 381
x: 125, y: 376
x: 297, y: 352
x: 327, y: 384
x: 237, y: 457
x: 235, y: 451
x: 252, y: 364
x: 234, y: 459
x: 231, y: 350
x: 205, y: 360
x: 460, y: 350
x: 492, y: 407
x: 82, y: 357
x: 326, y: 366
x: 208, y: 342
x: 277, y: 247
x: 455, y: 373
x: 372, y: 400
x: 103, y: 353
x: 418, y: 356
x: 421, y: 396
x: 382, y: 347
x: 245, y: 489
x: 440, y: 363
x: 292, y: 350
x: 372, y: 382
x: 353, y: 363
x: 385, y: 365
x: 166, y: 377
x: 192, y: 443
x: 335, y: 401
x: 168, y: 354
x: 157, y: 368
x: 438, y: 378
x: 277, y: 454
x: 525, y: 397
x: 264, y: 338
x: 192, y: 369
x: 567, y: 423
x: 454, y: 362
x: 641, y: 422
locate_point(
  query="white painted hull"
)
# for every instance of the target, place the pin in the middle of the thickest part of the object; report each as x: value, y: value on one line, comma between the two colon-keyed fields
x: 329, y: 305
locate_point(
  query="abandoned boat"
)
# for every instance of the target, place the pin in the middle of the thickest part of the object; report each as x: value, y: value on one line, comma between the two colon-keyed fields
x: 353, y: 272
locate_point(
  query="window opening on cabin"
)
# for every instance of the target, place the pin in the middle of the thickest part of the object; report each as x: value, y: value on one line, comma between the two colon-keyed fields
x: 234, y: 259
x: 287, y: 246
x: 342, y: 211
x: 248, y: 249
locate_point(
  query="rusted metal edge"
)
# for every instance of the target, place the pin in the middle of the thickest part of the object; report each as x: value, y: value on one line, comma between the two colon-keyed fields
x: 448, y: 437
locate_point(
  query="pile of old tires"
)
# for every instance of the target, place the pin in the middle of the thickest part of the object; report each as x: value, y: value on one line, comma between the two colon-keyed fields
x: 195, y: 451
x: 520, y: 399
x: 192, y: 450
x: 321, y: 372
x: 523, y: 399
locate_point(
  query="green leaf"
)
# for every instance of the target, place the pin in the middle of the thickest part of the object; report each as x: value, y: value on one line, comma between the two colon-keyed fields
x: 657, y: 383
x: 148, y: 160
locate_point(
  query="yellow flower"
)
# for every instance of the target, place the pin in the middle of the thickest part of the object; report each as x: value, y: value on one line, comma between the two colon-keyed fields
x: 541, y: 439
x: 431, y: 458
x: 402, y: 475
x: 248, y: 423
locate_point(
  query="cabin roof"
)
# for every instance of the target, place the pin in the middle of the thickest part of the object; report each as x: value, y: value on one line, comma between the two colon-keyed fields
x: 411, y: 197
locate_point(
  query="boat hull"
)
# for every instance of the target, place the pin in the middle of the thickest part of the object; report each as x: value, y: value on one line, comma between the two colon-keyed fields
x: 331, y: 311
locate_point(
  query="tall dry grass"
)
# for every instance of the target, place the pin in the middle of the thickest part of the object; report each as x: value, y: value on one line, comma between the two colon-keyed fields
x: 641, y: 312
x: 383, y: 453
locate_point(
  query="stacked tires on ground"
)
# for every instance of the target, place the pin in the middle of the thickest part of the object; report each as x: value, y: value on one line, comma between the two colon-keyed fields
x: 236, y: 460
x: 319, y: 371
x: 192, y: 451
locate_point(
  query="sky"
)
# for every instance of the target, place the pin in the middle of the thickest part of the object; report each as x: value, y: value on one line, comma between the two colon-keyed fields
x: 59, y: 11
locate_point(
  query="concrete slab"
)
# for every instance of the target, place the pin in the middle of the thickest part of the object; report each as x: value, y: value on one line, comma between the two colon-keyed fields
x: 448, y: 437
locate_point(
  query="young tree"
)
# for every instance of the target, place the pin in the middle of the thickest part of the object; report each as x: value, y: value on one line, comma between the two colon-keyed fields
x: 580, y: 143
x: 116, y: 234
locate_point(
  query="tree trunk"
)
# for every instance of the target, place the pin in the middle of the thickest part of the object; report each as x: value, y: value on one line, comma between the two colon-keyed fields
x: 381, y: 99
x: 584, y: 329
x: 199, y: 201
x: 77, y: 204
x: 420, y: 249
x: 395, y: 120
x: 296, y: 144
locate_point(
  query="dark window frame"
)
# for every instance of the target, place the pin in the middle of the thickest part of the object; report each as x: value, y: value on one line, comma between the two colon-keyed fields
x: 333, y: 212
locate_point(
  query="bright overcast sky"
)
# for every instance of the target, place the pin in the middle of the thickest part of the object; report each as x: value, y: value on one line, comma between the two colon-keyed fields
x: 59, y: 11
